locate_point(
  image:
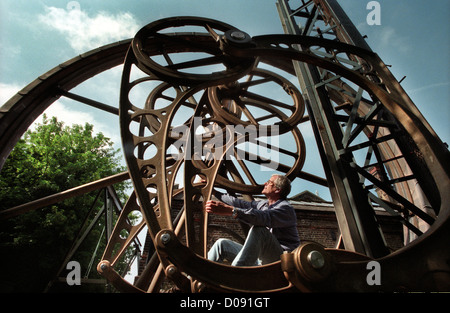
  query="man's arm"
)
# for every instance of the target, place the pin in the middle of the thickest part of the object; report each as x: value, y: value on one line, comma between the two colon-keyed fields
x: 235, y: 202
x: 282, y: 215
x: 219, y: 208
x: 227, y: 204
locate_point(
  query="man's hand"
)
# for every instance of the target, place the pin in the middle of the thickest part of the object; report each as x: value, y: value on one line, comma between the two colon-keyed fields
x: 219, y: 208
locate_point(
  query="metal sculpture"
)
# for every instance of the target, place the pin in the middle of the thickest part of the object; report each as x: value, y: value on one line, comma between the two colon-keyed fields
x: 200, y: 122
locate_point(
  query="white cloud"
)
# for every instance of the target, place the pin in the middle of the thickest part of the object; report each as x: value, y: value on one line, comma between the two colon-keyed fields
x: 389, y: 37
x: 71, y: 117
x: 7, y: 91
x: 64, y: 113
x: 85, y: 32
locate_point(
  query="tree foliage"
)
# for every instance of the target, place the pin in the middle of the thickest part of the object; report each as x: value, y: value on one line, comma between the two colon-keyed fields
x: 50, y: 159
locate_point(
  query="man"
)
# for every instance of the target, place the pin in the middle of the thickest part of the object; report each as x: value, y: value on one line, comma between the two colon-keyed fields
x: 274, y: 225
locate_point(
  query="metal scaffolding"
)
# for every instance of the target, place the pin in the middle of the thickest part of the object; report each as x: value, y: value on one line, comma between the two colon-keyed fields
x: 342, y: 113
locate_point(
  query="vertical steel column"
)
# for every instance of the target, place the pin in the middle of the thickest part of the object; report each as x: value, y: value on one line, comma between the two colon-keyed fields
x: 355, y: 215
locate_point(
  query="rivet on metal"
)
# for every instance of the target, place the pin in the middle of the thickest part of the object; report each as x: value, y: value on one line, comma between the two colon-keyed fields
x: 165, y: 238
x: 316, y: 259
x: 238, y: 35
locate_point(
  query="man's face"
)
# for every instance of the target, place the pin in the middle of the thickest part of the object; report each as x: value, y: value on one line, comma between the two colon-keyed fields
x: 269, y: 187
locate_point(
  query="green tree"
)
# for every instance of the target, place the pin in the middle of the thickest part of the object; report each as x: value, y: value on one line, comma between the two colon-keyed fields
x: 50, y: 159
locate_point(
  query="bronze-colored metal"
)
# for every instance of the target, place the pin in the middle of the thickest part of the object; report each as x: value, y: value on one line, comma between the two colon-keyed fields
x: 308, y: 265
x: 397, y: 159
x: 178, y: 133
x: 154, y: 40
x: 18, y: 113
x: 225, y: 277
x: 105, y: 269
x: 67, y: 194
x: 241, y: 97
x: 226, y: 104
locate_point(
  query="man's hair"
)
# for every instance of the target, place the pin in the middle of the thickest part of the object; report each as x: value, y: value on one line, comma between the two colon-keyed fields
x: 283, y: 184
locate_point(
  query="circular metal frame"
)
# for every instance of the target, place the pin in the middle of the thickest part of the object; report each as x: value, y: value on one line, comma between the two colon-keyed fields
x: 154, y: 40
x: 153, y: 178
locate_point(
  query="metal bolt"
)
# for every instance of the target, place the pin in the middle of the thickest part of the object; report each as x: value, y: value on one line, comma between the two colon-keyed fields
x: 316, y: 259
x: 104, y: 267
x: 165, y: 238
x: 171, y: 270
x: 238, y: 35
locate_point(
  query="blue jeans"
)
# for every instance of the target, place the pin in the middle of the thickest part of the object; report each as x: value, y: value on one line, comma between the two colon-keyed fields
x: 260, y: 244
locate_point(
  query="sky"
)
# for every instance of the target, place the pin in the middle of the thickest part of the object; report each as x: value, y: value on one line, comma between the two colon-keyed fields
x: 37, y: 35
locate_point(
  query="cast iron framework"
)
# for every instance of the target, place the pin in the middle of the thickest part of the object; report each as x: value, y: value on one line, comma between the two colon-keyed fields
x: 198, y: 76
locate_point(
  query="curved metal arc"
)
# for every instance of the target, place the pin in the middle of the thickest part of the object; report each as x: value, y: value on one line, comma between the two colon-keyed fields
x: 32, y: 100
x: 392, y: 98
x: 242, y: 97
x: 149, y: 37
x: 229, y: 148
x: 401, y: 109
x: 419, y: 266
x: 375, y: 124
x: 128, y: 140
x: 443, y: 180
x: 222, y: 277
x: 161, y: 138
x: 18, y: 113
x: 193, y: 193
x: 161, y: 192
